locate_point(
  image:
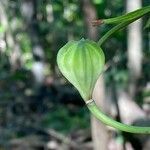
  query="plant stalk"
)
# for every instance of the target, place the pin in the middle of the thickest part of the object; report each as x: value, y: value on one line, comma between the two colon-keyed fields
x: 110, y: 122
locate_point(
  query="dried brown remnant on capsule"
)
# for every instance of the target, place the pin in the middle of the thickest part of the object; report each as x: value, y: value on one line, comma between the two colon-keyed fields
x: 88, y: 102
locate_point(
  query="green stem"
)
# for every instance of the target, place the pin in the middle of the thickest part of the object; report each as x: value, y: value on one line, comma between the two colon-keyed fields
x: 123, y: 22
x: 112, y: 31
x: 108, y: 121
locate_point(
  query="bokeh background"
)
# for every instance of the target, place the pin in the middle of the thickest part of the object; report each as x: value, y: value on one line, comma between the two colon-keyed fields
x: 39, y: 108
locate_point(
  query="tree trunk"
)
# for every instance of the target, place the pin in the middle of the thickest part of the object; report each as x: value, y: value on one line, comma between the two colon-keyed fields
x: 134, y: 48
x: 8, y: 39
x: 99, y: 131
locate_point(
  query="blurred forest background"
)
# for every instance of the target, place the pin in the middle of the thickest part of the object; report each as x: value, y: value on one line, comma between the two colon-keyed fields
x: 39, y: 109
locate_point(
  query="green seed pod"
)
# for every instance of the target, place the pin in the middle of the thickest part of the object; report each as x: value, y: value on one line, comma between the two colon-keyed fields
x: 81, y: 62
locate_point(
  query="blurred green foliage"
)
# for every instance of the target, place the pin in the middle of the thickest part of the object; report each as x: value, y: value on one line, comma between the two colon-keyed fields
x: 67, y: 120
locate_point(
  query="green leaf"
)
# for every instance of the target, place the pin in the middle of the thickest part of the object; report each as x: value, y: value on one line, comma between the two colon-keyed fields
x: 129, y: 16
x: 141, y: 12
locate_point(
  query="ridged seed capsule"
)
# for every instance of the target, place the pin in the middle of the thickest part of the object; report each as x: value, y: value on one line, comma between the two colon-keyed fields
x: 81, y: 62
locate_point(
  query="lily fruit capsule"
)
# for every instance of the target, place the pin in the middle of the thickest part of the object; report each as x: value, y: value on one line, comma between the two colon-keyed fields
x: 81, y: 62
